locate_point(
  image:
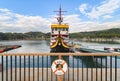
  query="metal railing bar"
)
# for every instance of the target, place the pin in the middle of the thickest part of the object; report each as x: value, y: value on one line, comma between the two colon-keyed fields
x: 111, y: 68
x: 38, y: 67
x: 2, y: 70
x: 24, y: 68
x: 56, y: 78
x: 101, y: 68
x: 82, y: 70
x: 47, y: 68
x: 87, y: 69
x: 51, y: 72
x: 96, y: 70
x: 73, y: 68
x: 92, y: 74
x: 77, y: 68
x: 106, y: 68
x: 29, y: 68
x: 63, y: 78
x: 6, y: 68
x: 42, y: 69
x: 33, y: 67
x: 20, y: 68
x: 15, y: 68
x: 115, y: 68
x: 11, y: 66
x: 62, y: 54
x: 68, y: 68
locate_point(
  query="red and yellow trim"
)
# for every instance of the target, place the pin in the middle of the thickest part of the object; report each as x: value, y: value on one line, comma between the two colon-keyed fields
x: 56, y: 43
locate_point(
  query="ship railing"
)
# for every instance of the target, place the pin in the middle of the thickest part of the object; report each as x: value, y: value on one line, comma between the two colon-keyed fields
x: 81, y: 66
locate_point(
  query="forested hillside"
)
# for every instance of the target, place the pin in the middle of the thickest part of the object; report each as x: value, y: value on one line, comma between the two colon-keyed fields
x: 111, y: 33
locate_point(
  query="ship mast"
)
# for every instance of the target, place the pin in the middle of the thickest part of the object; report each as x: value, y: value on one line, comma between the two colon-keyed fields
x: 60, y: 18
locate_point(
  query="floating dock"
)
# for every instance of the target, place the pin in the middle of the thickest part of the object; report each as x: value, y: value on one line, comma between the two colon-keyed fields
x: 6, y: 48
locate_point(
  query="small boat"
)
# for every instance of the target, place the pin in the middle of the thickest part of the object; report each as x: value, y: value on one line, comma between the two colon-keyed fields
x: 89, y: 50
x: 5, y: 48
x: 113, y: 50
x: 59, y: 40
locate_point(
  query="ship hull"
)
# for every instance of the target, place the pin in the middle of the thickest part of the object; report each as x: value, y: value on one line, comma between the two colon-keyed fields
x: 59, y: 48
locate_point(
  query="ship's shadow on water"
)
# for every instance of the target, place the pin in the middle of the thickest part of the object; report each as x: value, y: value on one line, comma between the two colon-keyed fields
x: 85, y: 62
x: 80, y: 61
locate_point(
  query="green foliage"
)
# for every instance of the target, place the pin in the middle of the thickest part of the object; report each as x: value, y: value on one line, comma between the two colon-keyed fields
x: 111, y: 33
x: 22, y: 36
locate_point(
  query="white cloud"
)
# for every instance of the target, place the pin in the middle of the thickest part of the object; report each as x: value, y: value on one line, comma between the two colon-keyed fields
x: 107, y: 16
x: 82, y: 8
x: 105, y: 8
x: 77, y: 25
x: 94, y: 26
x: 13, y: 22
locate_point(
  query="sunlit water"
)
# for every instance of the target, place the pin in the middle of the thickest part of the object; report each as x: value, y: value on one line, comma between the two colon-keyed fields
x: 42, y: 46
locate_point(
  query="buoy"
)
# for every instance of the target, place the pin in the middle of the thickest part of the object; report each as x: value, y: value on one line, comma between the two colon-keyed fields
x: 59, y: 67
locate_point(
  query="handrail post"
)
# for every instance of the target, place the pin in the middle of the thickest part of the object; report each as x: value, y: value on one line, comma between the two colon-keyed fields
x: 59, y: 76
x: 59, y: 57
x: 0, y: 67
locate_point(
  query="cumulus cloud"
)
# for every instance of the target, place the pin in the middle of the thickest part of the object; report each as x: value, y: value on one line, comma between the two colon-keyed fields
x: 77, y: 25
x: 107, y: 16
x: 82, y: 8
x: 14, y: 22
x: 105, y: 8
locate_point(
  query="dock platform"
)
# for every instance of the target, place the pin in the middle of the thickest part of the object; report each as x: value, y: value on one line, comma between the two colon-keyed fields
x: 47, y: 75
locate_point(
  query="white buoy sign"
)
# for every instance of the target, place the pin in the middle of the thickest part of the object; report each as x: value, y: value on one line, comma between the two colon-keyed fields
x: 59, y: 67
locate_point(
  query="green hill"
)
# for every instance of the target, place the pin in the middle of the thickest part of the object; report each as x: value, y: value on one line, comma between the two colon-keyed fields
x: 23, y: 36
x: 110, y: 33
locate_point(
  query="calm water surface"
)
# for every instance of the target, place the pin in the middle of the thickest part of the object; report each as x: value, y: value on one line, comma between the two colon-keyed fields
x: 42, y: 46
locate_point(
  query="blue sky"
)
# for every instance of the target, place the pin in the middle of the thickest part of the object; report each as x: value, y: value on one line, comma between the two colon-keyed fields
x: 44, y: 7
x: 37, y: 15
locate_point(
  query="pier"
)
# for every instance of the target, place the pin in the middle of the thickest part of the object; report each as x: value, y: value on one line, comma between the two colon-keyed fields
x: 37, y: 67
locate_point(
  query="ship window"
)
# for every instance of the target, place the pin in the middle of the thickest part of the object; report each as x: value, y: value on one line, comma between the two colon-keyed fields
x: 59, y: 29
x: 66, y: 29
x: 52, y: 30
x: 63, y: 29
x: 55, y: 29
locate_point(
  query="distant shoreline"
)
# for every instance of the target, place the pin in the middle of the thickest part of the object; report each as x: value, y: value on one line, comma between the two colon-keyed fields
x: 24, y: 39
x: 92, y: 40
x: 104, y: 35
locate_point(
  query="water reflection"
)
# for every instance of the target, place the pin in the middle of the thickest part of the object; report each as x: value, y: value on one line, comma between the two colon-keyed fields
x: 37, y: 46
x: 46, y: 61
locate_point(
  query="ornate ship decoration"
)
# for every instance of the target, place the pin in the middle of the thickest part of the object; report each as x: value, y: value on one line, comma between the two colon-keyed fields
x: 59, y: 41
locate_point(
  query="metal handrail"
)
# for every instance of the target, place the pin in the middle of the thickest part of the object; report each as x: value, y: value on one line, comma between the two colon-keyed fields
x: 62, y: 54
x: 31, y: 64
